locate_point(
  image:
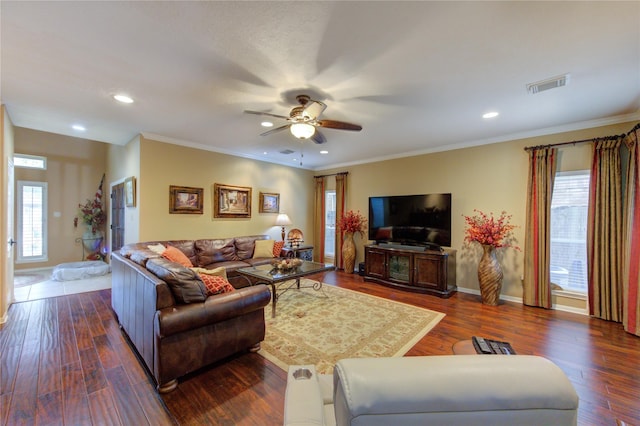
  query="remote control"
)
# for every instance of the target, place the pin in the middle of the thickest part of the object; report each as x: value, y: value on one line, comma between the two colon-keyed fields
x: 484, y: 347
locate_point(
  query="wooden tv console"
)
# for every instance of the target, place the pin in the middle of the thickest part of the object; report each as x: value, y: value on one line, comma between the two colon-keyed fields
x: 412, y: 268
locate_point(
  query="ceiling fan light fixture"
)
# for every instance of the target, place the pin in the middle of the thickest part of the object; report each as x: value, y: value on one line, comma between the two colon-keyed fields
x: 302, y: 130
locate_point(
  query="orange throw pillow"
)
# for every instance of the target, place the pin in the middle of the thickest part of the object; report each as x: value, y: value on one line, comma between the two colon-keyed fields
x: 277, y: 248
x: 215, y: 284
x: 175, y: 255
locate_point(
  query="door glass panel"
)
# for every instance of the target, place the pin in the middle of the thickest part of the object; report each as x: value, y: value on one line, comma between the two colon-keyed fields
x: 399, y: 267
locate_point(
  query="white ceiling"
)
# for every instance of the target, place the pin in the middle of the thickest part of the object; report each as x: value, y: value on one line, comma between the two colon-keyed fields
x: 416, y: 75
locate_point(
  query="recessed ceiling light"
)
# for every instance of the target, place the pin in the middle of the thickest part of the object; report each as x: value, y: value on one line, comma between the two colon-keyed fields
x: 265, y: 153
x: 266, y: 124
x: 79, y: 128
x: 324, y: 152
x: 123, y: 98
x: 491, y: 114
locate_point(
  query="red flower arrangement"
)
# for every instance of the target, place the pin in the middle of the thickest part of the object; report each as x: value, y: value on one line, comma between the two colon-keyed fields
x: 91, y: 213
x: 353, y: 222
x: 488, y: 230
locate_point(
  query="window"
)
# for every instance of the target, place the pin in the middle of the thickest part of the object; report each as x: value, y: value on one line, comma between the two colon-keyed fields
x: 32, y: 224
x: 329, y: 223
x: 569, y: 207
x: 30, y: 161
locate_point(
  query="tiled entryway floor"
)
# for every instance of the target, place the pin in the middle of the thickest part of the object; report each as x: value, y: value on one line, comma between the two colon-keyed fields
x: 50, y: 288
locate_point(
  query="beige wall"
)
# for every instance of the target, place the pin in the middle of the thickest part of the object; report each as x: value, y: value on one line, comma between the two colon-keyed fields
x: 163, y: 164
x: 74, y: 169
x: 491, y: 178
x: 124, y: 162
x: 6, y: 231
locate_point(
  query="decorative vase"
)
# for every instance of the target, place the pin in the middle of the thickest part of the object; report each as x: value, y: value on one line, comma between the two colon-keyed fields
x: 91, y: 242
x: 349, y: 253
x: 489, y: 276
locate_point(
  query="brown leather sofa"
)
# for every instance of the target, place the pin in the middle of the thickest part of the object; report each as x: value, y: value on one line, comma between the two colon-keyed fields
x: 172, y: 326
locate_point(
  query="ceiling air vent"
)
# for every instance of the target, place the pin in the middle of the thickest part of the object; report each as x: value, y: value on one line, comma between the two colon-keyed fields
x: 548, y: 84
x: 286, y: 152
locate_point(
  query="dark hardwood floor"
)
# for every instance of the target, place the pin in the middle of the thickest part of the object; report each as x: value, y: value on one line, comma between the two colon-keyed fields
x: 64, y: 361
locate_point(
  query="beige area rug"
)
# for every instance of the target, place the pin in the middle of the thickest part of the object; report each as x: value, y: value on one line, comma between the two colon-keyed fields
x: 322, y: 327
x: 30, y: 277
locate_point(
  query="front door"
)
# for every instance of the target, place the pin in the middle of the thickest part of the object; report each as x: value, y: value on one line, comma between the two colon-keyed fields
x: 8, y: 264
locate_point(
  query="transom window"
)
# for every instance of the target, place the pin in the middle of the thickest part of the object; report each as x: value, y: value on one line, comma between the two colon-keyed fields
x: 30, y: 161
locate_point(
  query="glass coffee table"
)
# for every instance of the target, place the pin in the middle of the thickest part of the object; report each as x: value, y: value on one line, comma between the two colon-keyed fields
x: 282, y: 281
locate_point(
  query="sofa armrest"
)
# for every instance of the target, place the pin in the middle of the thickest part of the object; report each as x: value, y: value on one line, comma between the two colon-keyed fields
x: 216, y: 308
x: 456, y: 390
x: 303, y: 397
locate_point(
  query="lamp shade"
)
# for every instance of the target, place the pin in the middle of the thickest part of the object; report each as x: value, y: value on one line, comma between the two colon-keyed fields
x: 302, y: 130
x: 283, y: 220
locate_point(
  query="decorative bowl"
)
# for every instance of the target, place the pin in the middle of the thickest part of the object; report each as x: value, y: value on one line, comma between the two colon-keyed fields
x: 286, y: 264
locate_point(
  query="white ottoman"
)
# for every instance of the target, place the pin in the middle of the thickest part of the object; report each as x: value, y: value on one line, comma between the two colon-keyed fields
x: 80, y: 270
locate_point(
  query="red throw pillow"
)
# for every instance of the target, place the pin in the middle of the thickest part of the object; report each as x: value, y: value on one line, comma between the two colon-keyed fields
x: 215, y: 284
x: 277, y: 248
x: 175, y: 255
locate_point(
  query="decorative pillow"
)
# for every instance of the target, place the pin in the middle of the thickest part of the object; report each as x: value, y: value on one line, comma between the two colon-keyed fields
x: 277, y: 248
x: 220, y: 271
x: 185, y: 284
x: 215, y: 284
x: 173, y: 254
x: 263, y: 248
x: 157, y: 248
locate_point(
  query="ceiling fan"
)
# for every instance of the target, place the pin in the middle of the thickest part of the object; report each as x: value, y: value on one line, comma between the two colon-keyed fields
x: 304, y: 120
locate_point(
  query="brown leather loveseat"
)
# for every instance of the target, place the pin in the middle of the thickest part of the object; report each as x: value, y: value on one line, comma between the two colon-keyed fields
x: 164, y: 309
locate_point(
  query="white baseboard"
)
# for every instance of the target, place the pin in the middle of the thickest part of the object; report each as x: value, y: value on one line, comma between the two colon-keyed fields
x: 563, y: 308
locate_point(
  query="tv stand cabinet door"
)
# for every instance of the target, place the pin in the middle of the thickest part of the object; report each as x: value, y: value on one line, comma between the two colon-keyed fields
x: 400, y: 267
x: 375, y: 263
x: 430, y: 271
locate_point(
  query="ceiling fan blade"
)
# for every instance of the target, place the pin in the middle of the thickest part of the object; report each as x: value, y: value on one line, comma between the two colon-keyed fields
x: 266, y: 113
x: 318, y: 137
x: 277, y: 129
x: 313, y: 109
x: 341, y: 125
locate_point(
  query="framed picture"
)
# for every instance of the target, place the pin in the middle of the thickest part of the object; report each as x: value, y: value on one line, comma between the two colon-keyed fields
x: 185, y: 200
x: 130, y: 192
x: 269, y: 203
x: 231, y: 201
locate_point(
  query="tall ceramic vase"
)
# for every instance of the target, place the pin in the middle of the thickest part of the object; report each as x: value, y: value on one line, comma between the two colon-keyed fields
x: 489, y: 276
x: 349, y: 253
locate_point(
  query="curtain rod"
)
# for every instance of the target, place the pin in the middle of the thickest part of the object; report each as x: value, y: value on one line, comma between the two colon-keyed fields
x: 332, y: 174
x: 607, y: 138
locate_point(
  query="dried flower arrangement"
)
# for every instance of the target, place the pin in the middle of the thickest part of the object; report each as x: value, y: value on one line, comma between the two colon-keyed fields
x: 91, y: 213
x: 353, y: 222
x: 488, y: 230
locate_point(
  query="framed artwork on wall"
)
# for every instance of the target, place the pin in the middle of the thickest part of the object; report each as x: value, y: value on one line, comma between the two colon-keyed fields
x: 231, y: 201
x: 185, y: 200
x: 130, y: 192
x: 269, y: 203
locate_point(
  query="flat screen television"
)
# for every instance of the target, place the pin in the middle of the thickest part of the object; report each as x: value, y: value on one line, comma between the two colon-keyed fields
x: 411, y: 219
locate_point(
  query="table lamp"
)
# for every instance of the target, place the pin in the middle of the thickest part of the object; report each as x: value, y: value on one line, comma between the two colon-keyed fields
x: 283, y: 220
